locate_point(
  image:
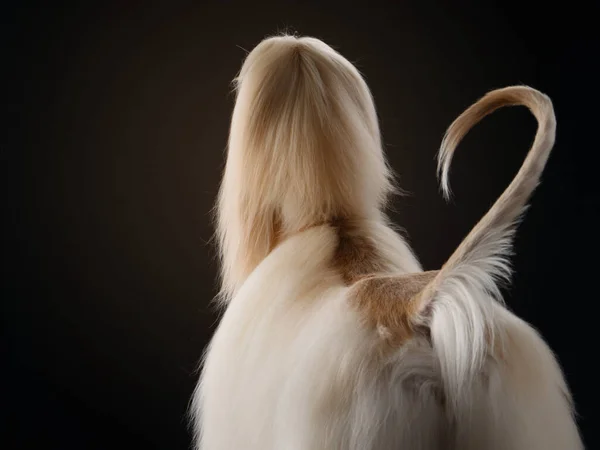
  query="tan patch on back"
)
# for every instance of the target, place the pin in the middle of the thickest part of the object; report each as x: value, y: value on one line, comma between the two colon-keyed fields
x: 389, y: 304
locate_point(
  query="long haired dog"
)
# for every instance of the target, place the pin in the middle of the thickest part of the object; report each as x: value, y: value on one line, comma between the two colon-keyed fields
x: 333, y: 337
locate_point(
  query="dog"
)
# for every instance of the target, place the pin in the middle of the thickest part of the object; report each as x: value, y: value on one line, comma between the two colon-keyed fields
x: 332, y: 336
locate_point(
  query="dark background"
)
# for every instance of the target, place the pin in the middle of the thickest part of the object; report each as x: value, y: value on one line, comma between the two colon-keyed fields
x: 115, y: 121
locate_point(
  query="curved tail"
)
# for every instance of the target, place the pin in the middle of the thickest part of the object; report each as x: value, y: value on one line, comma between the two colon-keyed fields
x: 456, y: 302
x: 488, y: 244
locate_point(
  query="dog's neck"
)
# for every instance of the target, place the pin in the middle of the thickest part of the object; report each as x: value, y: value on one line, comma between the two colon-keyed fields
x: 356, y: 255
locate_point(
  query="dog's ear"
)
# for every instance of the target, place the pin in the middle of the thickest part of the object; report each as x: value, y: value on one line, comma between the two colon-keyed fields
x: 392, y: 305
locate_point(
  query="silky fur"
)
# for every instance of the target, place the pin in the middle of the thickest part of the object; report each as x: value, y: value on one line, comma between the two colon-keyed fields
x: 332, y: 336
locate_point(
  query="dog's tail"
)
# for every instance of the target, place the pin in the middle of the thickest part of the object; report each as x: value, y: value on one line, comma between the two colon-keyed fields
x: 456, y: 302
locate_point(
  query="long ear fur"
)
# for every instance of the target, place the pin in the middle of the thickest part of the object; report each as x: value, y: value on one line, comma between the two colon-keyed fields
x: 304, y: 148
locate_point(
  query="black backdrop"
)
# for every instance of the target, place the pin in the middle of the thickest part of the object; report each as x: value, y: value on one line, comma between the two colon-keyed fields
x: 115, y: 122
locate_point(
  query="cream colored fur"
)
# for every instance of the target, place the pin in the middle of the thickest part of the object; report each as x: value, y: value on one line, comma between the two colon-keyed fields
x: 292, y: 364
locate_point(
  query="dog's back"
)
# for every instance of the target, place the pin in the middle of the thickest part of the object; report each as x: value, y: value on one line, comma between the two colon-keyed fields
x: 292, y: 367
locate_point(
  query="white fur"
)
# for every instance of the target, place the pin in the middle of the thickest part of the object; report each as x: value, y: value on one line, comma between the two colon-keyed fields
x: 290, y: 367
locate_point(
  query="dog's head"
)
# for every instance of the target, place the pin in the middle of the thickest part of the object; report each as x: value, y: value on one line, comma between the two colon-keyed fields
x: 304, y: 148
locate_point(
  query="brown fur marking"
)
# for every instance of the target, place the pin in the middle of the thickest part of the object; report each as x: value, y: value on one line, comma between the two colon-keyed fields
x: 356, y: 256
x: 389, y: 303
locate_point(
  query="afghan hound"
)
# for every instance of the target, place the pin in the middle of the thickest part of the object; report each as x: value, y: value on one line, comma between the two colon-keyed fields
x: 332, y: 336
